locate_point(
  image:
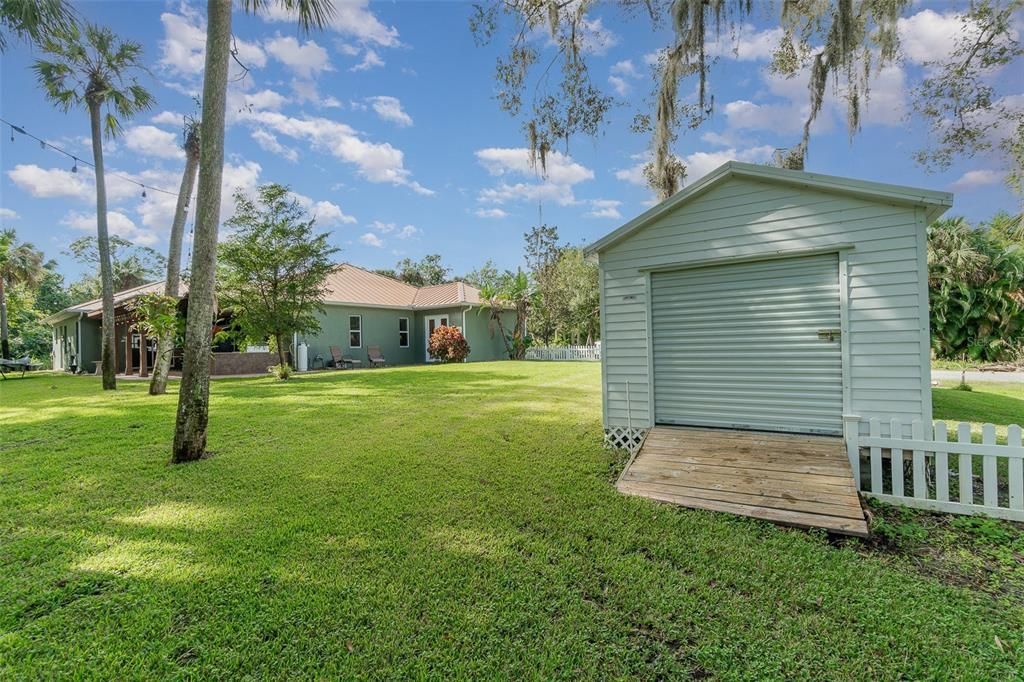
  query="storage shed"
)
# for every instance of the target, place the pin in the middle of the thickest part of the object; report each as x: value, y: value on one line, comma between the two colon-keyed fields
x: 766, y: 299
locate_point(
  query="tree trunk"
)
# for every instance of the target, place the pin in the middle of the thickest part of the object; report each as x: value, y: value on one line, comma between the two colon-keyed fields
x: 194, y: 396
x: 103, y: 246
x: 280, y: 349
x: 5, y: 344
x: 165, y: 344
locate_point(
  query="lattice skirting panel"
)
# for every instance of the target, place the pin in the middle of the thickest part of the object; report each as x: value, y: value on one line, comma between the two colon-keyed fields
x: 627, y: 438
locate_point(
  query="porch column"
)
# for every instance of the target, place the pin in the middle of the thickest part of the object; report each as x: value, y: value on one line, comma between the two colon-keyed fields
x: 143, y: 352
x: 127, y: 349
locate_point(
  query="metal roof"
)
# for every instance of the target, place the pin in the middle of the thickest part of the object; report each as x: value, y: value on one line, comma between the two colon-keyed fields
x: 935, y: 203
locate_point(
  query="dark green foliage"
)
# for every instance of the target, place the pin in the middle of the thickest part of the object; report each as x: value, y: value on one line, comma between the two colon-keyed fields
x: 132, y: 265
x: 273, y: 268
x: 976, y: 289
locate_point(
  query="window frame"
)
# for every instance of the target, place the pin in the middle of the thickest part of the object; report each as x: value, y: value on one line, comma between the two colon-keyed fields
x: 358, y: 331
x: 407, y: 333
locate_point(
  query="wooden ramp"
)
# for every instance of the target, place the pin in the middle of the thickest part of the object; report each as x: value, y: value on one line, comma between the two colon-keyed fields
x: 794, y: 480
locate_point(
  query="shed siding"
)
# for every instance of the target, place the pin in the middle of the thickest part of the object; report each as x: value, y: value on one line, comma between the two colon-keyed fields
x: 747, y: 218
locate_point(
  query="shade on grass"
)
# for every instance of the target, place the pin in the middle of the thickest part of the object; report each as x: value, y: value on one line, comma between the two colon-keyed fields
x: 453, y: 520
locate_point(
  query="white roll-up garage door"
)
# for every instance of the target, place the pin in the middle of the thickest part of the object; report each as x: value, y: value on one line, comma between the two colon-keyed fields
x: 749, y: 346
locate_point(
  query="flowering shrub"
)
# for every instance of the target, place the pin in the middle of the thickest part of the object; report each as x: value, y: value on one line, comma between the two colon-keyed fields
x: 447, y: 344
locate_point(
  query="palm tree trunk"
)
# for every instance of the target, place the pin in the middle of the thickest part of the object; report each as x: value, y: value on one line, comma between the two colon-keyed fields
x: 165, y: 344
x: 194, y: 396
x: 5, y: 344
x: 103, y: 244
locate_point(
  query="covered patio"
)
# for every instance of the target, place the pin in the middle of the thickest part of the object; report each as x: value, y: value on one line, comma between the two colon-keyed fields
x: 795, y: 480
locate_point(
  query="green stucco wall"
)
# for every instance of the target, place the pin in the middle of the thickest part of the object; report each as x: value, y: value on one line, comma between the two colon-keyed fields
x: 380, y: 328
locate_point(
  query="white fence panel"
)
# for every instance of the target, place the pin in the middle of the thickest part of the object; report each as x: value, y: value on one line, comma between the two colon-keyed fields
x: 564, y: 352
x: 990, y: 476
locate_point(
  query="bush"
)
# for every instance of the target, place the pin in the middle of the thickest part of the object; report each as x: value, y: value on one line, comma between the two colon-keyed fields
x: 447, y: 344
x: 281, y: 372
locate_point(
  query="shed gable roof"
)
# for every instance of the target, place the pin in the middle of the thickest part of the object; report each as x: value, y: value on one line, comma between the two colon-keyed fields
x: 935, y: 203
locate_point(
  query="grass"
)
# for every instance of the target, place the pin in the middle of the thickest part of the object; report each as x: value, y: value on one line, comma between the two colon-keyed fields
x: 995, y: 403
x: 432, y: 521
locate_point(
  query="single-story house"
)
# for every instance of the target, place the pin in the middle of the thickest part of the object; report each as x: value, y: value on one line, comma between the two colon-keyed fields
x: 361, y: 309
x: 766, y: 299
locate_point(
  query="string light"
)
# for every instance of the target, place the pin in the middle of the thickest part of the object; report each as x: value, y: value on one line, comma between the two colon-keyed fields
x: 43, y: 144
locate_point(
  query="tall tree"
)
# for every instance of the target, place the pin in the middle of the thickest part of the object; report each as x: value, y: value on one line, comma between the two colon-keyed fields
x: 274, y: 267
x: 131, y: 265
x: 96, y: 69
x: 484, y: 276
x: 542, y: 251
x: 958, y: 100
x: 512, y: 293
x: 36, y: 20
x: 194, y: 396
x: 165, y: 343
x: 838, y: 42
x: 20, y: 264
x: 423, y: 273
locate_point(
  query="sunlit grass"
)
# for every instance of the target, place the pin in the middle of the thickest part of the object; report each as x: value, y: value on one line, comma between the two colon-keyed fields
x: 424, y: 522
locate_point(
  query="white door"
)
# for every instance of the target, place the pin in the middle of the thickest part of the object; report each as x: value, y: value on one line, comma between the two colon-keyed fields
x: 431, y: 324
x: 749, y: 346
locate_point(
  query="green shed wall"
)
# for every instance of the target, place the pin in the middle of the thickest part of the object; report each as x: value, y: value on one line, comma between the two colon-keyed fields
x: 883, y: 279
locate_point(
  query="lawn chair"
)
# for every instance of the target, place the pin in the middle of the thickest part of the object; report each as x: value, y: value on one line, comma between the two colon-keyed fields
x: 341, y: 362
x: 23, y: 365
x: 376, y: 359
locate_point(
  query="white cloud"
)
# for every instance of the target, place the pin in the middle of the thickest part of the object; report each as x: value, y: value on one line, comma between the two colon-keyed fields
x: 887, y: 99
x: 634, y: 174
x: 390, y: 109
x: 306, y: 60
x: 375, y: 161
x: 929, y: 36
x: 167, y: 118
x: 325, y: 212
x: 351, y: 18
x: 622, y: 73
x: 8, y: 214
x: 269, y: 142
x: 604, y: 208
x: 370, y: 239
x: 117, y: 224
x: 152, y: 141
x: 408, y: 232
x: 976, y: 178
x: 370, y: 60
x: 264, y: 99
x: 48, y: 183
x: 559, y: 169
x: 183, y: 49
x: 596, y: 38
x: 555, y: 183
x: 700, y: 164
x: 383, y: 227
x: 747, y: 44
x: 491, y: 213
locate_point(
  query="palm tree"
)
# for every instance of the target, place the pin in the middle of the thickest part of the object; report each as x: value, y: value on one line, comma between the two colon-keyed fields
x: 19, y: 264
x: 96, y: 73
x: 34, y: 19
x: 194, y: 395
x: 514, y: 293
x: 165, y: 344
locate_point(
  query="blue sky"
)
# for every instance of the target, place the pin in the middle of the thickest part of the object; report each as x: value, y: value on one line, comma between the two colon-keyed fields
x: 386, y: 126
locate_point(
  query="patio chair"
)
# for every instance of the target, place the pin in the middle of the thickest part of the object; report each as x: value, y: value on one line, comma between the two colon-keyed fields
x: 341, y: 362
x: 23, y: 365
x: 376, y: 359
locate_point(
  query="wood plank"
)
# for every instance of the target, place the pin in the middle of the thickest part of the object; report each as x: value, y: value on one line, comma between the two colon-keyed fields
x: 796, y: 480
x: 848, y: 508
x: 751, y: 462
x: 679, y: 469
x: 799, y: 519
x: 809, y: 456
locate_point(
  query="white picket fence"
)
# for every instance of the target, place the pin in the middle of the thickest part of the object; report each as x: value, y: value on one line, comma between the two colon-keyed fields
x: 564, y: 352
x: 986, y: 478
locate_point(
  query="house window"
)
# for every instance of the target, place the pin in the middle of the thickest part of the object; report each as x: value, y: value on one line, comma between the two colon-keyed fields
x: 403, y: 332
x: 355, y: 331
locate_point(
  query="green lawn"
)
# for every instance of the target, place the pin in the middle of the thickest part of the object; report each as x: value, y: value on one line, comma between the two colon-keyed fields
x: 992, y: 402
x: 449, y: 520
